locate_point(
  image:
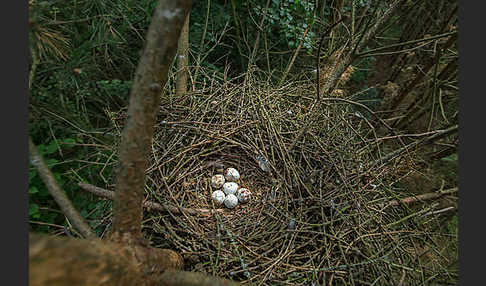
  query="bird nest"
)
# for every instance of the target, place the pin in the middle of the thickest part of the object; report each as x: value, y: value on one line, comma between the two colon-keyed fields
x: 320, y: 210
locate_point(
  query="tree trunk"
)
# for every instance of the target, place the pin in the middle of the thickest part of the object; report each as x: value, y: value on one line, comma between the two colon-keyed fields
x: 150, y: 77
x: 69, y: 261
x: 64, y: 261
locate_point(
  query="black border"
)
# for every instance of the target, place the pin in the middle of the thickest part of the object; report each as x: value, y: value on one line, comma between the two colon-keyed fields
x: 471, y: 120
x: 14, y: 118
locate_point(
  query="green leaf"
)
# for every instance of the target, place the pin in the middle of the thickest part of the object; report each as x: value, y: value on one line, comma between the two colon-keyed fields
x: 33, y: 190
x: 33, y: 209
x: 50, y: 162
x: 52, y: 147
x: 32, y: 175
x: 450, y: 158
x: 69, y: 142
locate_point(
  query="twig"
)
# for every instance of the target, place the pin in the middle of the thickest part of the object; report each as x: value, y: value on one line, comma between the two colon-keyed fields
x: 424, y: 141
x: 149, y: 205
x: 451, y: 208
x: 423, y: 197
x: 59, y: 196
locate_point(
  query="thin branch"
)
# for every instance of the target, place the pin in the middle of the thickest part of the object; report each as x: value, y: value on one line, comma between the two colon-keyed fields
x: 439, y: 135
x: 148, y: 205
x: 59, y: 196
x: 367, y: 53
x: 423, y: 197
x: 448, y: 209
x: 291, y: 63
x: 257, y: 41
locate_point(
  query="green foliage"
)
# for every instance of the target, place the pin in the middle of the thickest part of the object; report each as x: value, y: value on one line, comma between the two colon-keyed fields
x: 453, y: 225
x: 220, y: 17
x: 290, y: 19
x: 42, y: 207
x: 450, y: 158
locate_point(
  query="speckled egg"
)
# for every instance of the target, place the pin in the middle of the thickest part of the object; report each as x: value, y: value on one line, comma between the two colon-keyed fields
x: 230, y: 188
x: 230, y: 201
x: 243, y: 195
x: 218, y: 197
x: 232, y: 175
x: 217, y: 181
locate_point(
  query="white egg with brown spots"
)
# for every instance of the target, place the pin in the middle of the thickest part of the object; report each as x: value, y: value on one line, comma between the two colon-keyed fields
x: 218, y: 197
x: 232, y: 175
x: 217, y: 181
x: 230, y: 188
x: 243, y: 195
x: 230, y: 201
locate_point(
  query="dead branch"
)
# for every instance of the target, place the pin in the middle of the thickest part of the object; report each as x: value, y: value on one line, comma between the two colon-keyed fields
x: 59, y: 195
x: 423, y: 197
x: 148, y: 205
x: 425, y: 141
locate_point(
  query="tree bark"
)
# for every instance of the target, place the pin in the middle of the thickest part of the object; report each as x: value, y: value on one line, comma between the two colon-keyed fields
x: 69, y: 261
x: 57, y: 261
x: 150, y: 77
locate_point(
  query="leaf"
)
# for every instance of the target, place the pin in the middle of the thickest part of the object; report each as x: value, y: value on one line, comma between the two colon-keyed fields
x: 52, y: 147
x: 32, y: 175
x: 33, y: 190
x: 59, y: 179
x: 41, y: 148
x: 450, y: 158
x: 50, y: 162
x: 33, y: 209
x: 69, y: 142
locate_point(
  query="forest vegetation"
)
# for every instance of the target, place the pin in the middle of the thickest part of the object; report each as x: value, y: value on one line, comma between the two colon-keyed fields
x: 341, y: 115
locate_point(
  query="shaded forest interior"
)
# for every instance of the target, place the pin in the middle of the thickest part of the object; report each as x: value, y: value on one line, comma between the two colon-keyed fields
x: 341, y: 116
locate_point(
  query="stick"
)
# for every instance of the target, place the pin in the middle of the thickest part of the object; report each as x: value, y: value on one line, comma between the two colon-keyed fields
x: 149, y: 205
x: 59, y: 195
x: 423, y: 197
